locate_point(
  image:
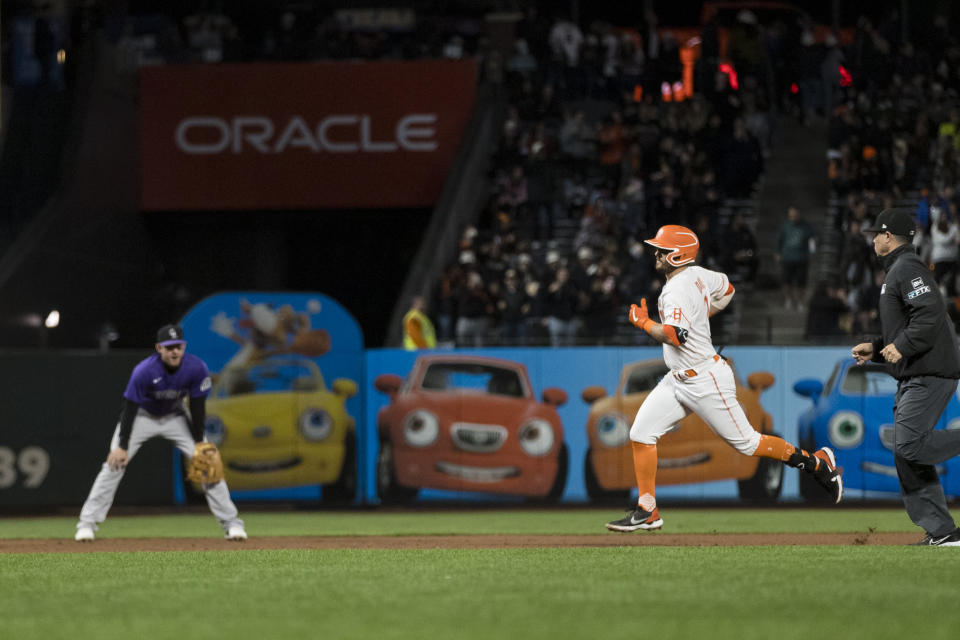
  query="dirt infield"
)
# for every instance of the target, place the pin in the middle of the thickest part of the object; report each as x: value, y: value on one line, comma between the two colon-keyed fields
x: 457, y: 542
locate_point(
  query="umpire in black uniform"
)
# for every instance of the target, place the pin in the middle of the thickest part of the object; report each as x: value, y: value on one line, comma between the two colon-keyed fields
x: 920, y: 349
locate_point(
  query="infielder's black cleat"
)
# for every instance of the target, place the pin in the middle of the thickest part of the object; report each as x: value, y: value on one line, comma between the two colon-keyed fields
x: 952, y: 539
x: 827, y: 474
x: 638, y: 518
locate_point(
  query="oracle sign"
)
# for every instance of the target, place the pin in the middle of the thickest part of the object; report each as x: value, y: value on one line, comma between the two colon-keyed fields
x: 295, y: 136
x: 416, y: 132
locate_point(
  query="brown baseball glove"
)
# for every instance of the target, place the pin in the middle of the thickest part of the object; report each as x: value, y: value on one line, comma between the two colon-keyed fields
x: 206, y: 466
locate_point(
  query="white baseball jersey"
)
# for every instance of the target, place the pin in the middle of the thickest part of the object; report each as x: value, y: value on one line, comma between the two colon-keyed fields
x: 685, y: 304
x: 710, y: 390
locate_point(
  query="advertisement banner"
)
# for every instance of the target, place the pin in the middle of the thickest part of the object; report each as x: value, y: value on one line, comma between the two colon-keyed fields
x: 286, y: 393
x: 301, y: 136
x: 302, y: 412
x: 548, y: 425
x: 56, y: 422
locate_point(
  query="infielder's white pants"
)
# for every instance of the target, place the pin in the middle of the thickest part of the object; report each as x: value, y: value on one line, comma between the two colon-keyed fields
x: 711, y: 394
x: 175, y: 428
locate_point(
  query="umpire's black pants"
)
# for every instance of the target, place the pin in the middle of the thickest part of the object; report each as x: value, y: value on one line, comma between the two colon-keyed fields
x: 920, y: 402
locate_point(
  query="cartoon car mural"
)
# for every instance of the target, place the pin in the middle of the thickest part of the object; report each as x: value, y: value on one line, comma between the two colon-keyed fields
x: 277, y: 425
x: 853, y: 414
x: 469, y: 423
x: 692, y: 453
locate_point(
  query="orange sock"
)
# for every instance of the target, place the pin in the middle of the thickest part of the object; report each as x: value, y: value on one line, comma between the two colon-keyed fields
x: 645, y: 470
x: 780, y: 449
x: 774, y: 447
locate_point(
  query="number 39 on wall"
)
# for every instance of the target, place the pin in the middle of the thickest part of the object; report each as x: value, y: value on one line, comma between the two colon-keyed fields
x: 32, y: 462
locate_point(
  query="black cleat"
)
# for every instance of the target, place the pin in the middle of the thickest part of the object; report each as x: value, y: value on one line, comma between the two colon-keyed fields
x: 827, y: 474
x: 952, y: 539
x: 638, y: 518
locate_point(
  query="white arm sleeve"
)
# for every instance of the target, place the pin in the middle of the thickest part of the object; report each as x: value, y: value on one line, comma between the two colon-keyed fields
x: 720, y: 293
x: 719, y: 304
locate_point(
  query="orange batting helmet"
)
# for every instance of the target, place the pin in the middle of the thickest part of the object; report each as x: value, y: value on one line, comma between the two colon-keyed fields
x: 682, y: 243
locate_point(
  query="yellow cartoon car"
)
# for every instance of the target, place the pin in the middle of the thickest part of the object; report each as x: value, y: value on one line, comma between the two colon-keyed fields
x: 277, y: 425
x: 690, y: 454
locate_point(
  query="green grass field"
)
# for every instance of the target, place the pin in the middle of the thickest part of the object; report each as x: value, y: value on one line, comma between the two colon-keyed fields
x: 661, y: 592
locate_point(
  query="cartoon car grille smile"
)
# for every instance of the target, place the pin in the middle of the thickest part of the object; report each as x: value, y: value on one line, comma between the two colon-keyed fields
x: 264, y: 465
x: 479, y: 438
x: 477, y: 474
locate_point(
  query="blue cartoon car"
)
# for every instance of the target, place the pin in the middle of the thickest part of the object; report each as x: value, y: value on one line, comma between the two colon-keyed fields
x: 853, y: 414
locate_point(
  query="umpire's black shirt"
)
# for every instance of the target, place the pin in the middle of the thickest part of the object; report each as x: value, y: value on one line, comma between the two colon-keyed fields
x: 914, y: 318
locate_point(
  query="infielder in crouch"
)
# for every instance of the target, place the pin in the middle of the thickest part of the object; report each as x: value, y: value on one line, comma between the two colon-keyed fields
x: 700, y: 381
x: 153, y: 406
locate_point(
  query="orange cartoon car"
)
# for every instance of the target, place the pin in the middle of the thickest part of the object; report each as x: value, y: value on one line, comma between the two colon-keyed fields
x: 469, y: 423
x: 690, y: 454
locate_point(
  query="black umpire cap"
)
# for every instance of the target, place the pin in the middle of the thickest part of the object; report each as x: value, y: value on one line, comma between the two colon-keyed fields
x: 170, y: 334
x: 899, y: 222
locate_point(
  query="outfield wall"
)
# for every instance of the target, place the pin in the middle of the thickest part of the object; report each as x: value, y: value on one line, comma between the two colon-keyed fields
x: 529, y: 440
x: 575, y: 369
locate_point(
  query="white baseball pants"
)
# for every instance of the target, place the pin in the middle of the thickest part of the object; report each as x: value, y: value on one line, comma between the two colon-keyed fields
x: 711, y: 394
x: 173, y: 427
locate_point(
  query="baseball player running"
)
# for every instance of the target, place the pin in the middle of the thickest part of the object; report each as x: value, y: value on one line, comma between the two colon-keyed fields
x: 153, y: 405
x: 700, y: 381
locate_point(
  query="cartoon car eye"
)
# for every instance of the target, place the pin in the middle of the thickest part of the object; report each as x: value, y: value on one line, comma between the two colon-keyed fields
x: 612, y: 430
x: 215, y: 430
x: 420, y: 428
x: 536, y: 437
x: 315, y: 424
x: 845, y: 430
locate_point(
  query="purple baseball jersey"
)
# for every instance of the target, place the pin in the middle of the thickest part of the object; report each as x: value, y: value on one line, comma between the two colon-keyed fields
x: 159, y: 392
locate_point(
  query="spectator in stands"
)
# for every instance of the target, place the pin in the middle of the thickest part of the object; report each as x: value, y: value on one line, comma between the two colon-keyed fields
x: 583, y: 270
x: 514, y: 308
x: 827, y: 307
x: 745, y: 47
x: 856, y: 257
x: 741, y: 260
x: 575, y: 193
x: 206, y: 31
x: 944, y: 239
x: 867, y: 301
x: 445, y: 301
x: 831, y: 78
x: 521, y: 62
x: 603, y: 304
x: 576, y: 138
x: 794, y: 246
x: 711, y: 253
x: 613, y: 139
x: 810, y: 84
x: 742, y: 161
x: 418, y: 332
x: 513, y: 188
x: 561, y: 306
x: 473, y: 309
x: 951, y: 129
x: 533, y: 314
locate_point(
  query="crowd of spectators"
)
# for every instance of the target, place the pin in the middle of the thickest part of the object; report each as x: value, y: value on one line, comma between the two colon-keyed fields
x: 592, y: 160
x: 213, y: 31
x: 894, y: 141
x: 600, y: 148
